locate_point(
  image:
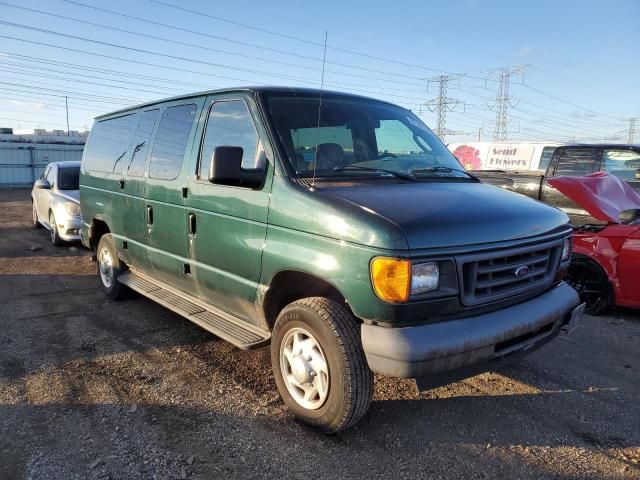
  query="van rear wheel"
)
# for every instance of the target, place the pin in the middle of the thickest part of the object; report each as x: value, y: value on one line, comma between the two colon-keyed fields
x: 110, y: 267
x: 319, y: 366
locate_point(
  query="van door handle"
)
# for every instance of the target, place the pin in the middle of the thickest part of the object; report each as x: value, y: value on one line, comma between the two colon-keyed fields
x: 192, y: 224
x: 149, y: 215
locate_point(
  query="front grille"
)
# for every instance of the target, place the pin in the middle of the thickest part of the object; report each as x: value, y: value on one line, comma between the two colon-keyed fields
x: 502, y: 274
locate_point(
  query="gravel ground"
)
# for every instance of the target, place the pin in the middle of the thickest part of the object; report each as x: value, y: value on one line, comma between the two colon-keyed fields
x: 91, y: 388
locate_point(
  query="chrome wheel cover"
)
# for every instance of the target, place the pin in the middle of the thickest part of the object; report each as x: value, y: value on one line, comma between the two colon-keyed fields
x: 304, y: 369
x: 105, y: 265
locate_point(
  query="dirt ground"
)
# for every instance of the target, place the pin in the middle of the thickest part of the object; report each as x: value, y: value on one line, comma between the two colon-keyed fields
x: 91, y: 388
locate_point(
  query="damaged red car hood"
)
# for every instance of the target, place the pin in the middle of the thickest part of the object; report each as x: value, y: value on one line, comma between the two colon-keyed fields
x: 603, y: 195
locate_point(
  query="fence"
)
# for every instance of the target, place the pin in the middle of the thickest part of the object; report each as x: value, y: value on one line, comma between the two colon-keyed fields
x: 22, y: 163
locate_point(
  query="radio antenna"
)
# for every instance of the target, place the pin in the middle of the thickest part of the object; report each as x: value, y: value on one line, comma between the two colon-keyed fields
x: 324, y: 61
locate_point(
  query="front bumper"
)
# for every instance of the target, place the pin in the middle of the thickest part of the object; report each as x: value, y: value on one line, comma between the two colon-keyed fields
x: 69, y: 227
x: 447, y: 351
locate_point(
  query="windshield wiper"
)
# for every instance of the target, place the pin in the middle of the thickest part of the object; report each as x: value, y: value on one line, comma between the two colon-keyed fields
x: 346, y: 168
x: 443, y: 169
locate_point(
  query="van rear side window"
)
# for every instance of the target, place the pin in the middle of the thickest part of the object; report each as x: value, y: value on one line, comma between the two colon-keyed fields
x: 107, y: 144
x: 171, y: 141
x: 141, y: 139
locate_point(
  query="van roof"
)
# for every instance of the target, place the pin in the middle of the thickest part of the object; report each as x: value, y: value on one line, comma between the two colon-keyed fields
x: 268, y: 89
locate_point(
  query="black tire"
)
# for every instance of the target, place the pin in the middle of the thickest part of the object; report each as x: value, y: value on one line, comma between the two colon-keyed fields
x: 55, y: 237
x: 350, y: 381
x: 34, y: 215
x: 592, y: 284
x: 113, y: 289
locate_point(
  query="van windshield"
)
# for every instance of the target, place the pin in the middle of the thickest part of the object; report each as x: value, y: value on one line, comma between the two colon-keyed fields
x: 358, y: 137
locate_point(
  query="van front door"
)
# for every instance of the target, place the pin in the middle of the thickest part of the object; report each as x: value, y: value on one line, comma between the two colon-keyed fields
x: 228, y: 223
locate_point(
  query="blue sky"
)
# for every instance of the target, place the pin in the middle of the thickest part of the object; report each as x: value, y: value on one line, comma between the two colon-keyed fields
x: 580, y: 83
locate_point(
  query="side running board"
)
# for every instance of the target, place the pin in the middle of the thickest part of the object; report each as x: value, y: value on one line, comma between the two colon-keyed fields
x: 222, y: 324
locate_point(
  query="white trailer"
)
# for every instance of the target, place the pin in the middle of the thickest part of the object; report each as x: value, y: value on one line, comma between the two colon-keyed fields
x: 503, y: 155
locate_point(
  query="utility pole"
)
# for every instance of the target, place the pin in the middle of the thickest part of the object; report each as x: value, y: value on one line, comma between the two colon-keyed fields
x: 503, y: 99
x: 66, y: 105
x: 442, y: 103
x: 632, y: 129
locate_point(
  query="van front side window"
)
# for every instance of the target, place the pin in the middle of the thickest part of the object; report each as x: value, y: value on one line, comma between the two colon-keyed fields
x: 229, y: 125
x: 171, y: 140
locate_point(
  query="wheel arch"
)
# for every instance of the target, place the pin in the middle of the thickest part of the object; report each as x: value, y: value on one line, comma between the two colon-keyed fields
x: 592, y: 259
x: 287, y: 286
x: 97, y: 228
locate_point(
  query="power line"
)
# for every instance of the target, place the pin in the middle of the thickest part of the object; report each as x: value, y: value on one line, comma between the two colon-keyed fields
x: 60, y: 93
x: 304, y: 81
x: 291, y: 37
x: 21, y: 120
x: 587, y: 123
x: 148, y: 52
x: 31, y: 100
x: 86, y: 82
x: 204, y: 47
x: 567, y: 102
x: 226, y: 39
x: 174, y: 57
x: 280, y: 34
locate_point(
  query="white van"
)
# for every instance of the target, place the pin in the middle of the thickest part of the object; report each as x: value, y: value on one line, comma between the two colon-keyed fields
x: 503, y: 155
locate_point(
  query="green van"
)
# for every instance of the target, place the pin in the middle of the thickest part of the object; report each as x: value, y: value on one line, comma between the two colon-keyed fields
x: 336, y: 228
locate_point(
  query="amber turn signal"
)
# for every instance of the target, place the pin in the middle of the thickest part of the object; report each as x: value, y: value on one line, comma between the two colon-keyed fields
x: 391, y: 278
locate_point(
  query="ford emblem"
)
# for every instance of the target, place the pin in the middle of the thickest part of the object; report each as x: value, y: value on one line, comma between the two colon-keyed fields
x: 521, y: 271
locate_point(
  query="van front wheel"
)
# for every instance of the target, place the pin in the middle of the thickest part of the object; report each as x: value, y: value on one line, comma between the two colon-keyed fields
x: 110, y: 267
x: 319, y: 366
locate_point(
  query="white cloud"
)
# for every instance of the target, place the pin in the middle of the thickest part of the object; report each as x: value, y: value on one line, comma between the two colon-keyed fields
x: 525, y: 51
x: 30, y: 105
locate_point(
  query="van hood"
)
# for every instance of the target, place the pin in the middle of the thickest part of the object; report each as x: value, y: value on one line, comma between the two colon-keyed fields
x: 603, y: 195
x: 434, y: 215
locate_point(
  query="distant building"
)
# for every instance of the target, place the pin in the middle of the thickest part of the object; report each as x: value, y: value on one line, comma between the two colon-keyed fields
x: 41, y: 135
x: 24, y: 156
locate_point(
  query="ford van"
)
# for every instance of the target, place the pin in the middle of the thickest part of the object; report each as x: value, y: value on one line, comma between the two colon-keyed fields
x: 334, y: 228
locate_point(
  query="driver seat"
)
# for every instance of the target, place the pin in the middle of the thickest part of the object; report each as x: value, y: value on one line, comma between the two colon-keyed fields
x: 329, y: 155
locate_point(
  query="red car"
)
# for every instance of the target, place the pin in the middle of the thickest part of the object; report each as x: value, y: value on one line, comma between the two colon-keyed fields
x: 605, y: 265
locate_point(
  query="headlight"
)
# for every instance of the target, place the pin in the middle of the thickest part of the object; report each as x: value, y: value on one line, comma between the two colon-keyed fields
x: 425, y: 277
x: 72, y: 208
x: 566, y: 250
x: 394, y: 279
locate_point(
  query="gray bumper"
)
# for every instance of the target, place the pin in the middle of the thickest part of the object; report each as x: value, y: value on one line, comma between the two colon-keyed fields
x: 69, y: 228
x: 460, y: 348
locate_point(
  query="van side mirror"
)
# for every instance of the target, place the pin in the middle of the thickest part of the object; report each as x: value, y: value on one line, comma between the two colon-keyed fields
x: 42, y: 184
x: 226, y: 169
